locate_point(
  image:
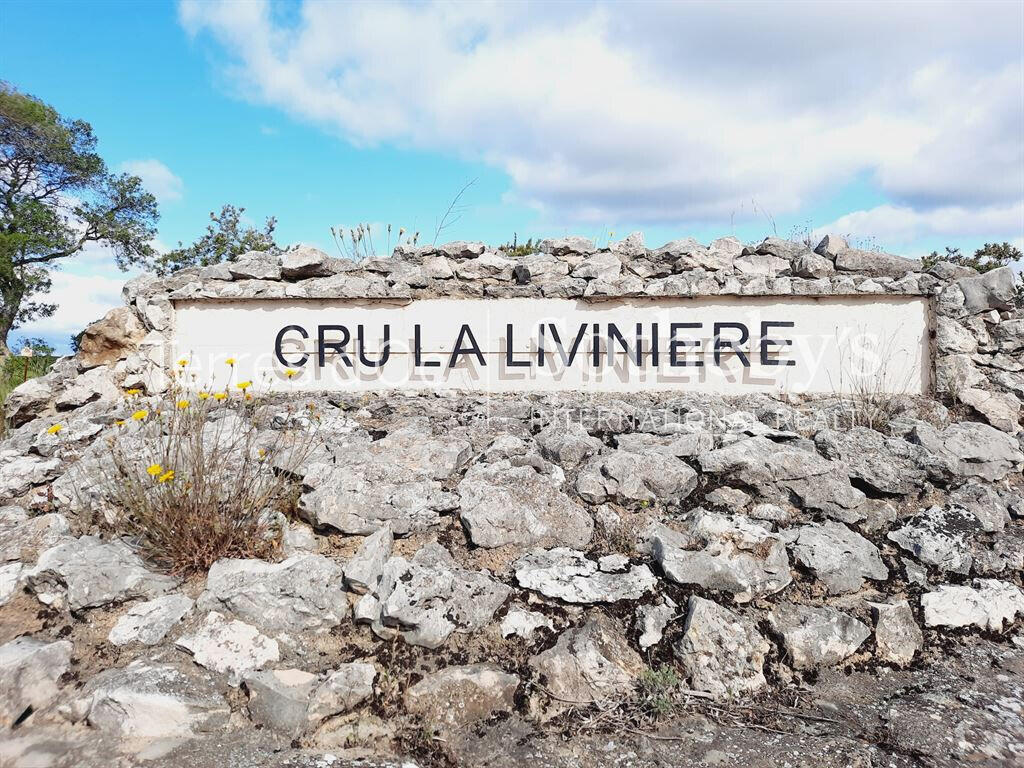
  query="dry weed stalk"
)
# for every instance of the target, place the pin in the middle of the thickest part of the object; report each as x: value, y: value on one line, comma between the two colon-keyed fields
x: 197, y: 477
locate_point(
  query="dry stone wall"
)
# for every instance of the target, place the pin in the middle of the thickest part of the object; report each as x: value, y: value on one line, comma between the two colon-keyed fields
x: 469, y: 579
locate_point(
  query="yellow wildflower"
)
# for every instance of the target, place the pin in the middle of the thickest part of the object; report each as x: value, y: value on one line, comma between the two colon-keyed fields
x: 248, y: 396
x: 168, y: 475
x: 204, y: 395
x: 140, y: 415
x: 289, y: 372
x: 183, y: 362
x: 154, y: 469
x: 230, y: 361
x: 244, y: 385
x: 183, y: 404
x: 119, y: 423
x: 133, y: 392
x: 220, y: 395
x: 55, y: 429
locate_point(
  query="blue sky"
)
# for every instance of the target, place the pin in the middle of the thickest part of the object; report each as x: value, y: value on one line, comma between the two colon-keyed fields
x: 901, y: 125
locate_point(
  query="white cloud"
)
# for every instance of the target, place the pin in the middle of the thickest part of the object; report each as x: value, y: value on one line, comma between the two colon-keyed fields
x: 660, y: 112
x: 80, y: 299
x: 156, y: 178
x: 896, y: 226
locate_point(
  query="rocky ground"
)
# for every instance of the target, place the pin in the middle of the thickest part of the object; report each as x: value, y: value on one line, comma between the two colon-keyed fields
x: 561, y: 580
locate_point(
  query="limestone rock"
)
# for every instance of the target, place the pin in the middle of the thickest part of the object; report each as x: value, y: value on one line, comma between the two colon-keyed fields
x: 149, y: 622
x: 23, y: 537
x: 568, y: 445
x: 590, y: 663
x: 988, y: 604
x: 939, y: 537
x: 568, y: 575
x: 969, y: 449
x: 230, y: 647
x: 30, y: 670
x: 430, y: 597
x: 10, y: 581
x: 652, y: 620
x: 363, y: 570
x: 22, y: 473
x: 28, y: 400
x: 993, y: 290
x: 89, y: 572
x: 780, y: 469
x: 567, y: 246
x: 505, y: 504
x: 147, y: 702
x: 874, y: 263
x: 305, y: 261
x: 602, y: 265
x: 523, y: 623
x: 342, y: 690
x: 816, y: 636
x: 301, y: 594
x: 458, y: 249
x: 897, y: 636
x: 94, y: 385
x: 839, y: 557
x: 395, y: 479
x: 999, y: 409
x: 278, y: 699
x: 731, y: 554
x: 111, y: 338
x: 721, y: 652
x: 811, y: 265
x: 255, y: 265
x: 459, y: 696
x: 636, y: 477
x: 887, y: 464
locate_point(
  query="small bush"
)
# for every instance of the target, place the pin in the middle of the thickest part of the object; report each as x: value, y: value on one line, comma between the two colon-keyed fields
x: 195, y: 478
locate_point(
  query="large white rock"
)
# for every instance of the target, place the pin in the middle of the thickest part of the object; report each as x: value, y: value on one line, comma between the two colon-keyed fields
x: 30, y: 670
x: 304, y: 593
x: 148, y: 702
x: 149, y: 622
x: 90, y: 572
x: 721, y: 652
x: 230, y: 647
x: 727, y: 553
x: 988, y: 605
x: 568, y: 575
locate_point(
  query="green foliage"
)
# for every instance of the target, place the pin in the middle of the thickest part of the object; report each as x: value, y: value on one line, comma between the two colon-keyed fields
x: 56, y: 197
x: 518, y: 250
x: 226, y: 238
x: 990, y: 256
x: 657, y: 688
x: 15, y: 369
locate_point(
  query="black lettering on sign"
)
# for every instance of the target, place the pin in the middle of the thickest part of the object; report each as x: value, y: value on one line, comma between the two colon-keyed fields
x: 337, y: 347
x: 470, y: 348
x: 279, y: 341
x: 675, y: 345
x: 509, y: 361
x: 573, y: 350
x: 734, y: 344
x: 385, y: 351
x: 417, y: 351
x: 766, y: 342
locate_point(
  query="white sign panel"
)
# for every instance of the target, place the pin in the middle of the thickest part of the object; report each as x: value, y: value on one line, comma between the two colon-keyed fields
x: 726, y: 344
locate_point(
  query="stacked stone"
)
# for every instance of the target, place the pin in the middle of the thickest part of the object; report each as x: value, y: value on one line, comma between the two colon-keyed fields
x: 532, y: 556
